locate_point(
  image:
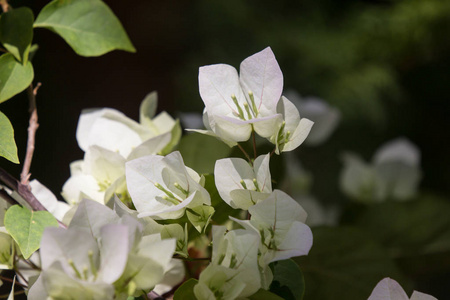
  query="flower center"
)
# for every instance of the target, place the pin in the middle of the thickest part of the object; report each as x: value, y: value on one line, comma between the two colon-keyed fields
x: 251, y: 111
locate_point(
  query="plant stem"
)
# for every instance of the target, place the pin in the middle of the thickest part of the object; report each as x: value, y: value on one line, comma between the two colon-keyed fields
x: 10, y: 280
x: 33, y: 126
x: 254, y: 142
x: 5, y: 296
x: 5, y: 6
x: 246, y: 154
x: 23, y: 192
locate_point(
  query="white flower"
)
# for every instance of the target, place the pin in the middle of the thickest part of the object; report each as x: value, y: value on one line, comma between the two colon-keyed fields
x: 234, y: 270
x: 241, y: 185
x: 112, y: 130
x: 235, y: 105
x: 389, y: 289
x: 92, y: 177
x: 163, y: 186
x: 393, y: 174
x: 325, y: 117
x: 49, y: 200
x: 279, y: 221
x: 293, y: 130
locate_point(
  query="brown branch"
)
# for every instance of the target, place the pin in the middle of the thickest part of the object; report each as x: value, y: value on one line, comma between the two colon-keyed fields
x: 5, y: 196
x: 246, y: 154
x: 23, y: 192
x: 154, y: 296
x: 5, y: 6
x: 33, y: 126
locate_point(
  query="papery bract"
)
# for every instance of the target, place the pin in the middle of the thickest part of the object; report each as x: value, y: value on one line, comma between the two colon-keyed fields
x: 112, y: 130
x: 94, y: 175
x: 163, y: 186
x: 293, y: 130
x: 241, y: 185
x: 237, y: 104
x: 234, y: 270
x: 389, y: 289
x: 279, y: 221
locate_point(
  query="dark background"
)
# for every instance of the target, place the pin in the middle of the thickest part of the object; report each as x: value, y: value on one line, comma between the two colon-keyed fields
x: 384, y: 64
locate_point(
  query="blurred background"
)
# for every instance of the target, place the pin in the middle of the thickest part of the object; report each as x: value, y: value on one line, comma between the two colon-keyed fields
x: 383, y: 64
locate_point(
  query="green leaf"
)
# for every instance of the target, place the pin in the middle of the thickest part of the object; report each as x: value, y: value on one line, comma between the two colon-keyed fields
x: 6, y: 251
x: 26, y: 227
x: 222, y: 210
x: 344, y: 263
x: 88, y: 26
x: 416, y: 233
x: 186, y: 290
x: 264, y: 295
x: 16, y: 32
x: 14, y: 77
x: 288, y: 281
x: 8, y: 148
x: 200, y: 216
x: 200, y: 151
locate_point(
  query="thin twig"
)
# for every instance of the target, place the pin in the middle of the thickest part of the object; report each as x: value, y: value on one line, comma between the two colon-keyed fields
x: 23, y: 192
x: 5, y: 196
x: 246, y: 154
x: 21, y: 276
x: 254, y: 143
x: 11, y: 280
x: 154, y: 296
x: 15, y: 293
x: 33, y: 126
x: 5, y: 6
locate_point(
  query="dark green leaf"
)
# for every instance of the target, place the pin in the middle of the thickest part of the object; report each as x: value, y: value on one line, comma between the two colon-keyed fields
x: 288, y: 281
x: 14, y: 77
x: 8, y: 148
x: 344, y: 263
x: 16, y: 32
x: 222, y: 209
x: 26, y: 227
x: 186, y: 290
x: 417, y: 233
x: 88, y: 26
x: 200, y: 151
x: 264, y: 295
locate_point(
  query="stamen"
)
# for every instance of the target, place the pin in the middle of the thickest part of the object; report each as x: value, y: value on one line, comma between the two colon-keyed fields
x: 255, y: 182
x: 252, y: 99
x: 233, y: 261
x: 241, y: 113
x: 243, y: 184
x: 178, y: 186
x: 288, y: 134
x: 247, y: 109
x: 74, y: 268
x: 174, y: 201
x: 85, y: 273
x: 91, y: 263
x: 168, y: 193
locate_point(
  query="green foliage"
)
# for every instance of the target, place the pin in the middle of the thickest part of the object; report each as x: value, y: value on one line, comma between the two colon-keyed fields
x: 200, y: 217
x: 26, y: 227
x: 186, y: 290
x: 264, y: 295
x: 199, y: 157
x: 288, y: 281
x: 6, y: 251
x: 14, y: 77
x: 344, y: 263
x: 222, y: 210
x: 8, y: 148
x: 416, y: 233
x: 88, y: 26
x: 16, y: 32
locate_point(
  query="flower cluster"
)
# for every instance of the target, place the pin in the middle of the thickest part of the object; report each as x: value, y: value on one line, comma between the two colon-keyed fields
x: 138, y: 210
